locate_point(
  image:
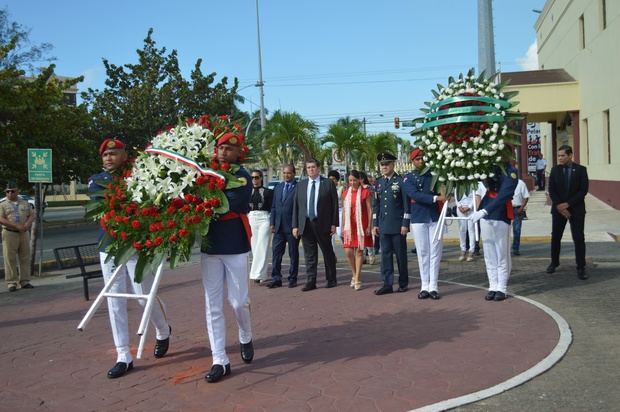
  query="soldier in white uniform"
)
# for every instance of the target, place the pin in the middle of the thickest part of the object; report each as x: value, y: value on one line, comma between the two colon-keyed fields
x: 224, y: 260
x: 114, y: 158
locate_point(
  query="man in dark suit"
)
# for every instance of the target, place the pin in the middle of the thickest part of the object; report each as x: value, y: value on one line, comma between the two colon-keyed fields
x: 315, y: 218
x: 282, y: 228
x: 568, y: 186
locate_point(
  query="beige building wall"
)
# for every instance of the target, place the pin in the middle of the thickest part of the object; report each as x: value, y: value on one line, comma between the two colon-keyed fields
x: 571, y: 35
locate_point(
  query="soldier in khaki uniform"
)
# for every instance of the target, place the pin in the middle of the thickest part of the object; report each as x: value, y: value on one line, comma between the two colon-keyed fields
x: 16, y: 217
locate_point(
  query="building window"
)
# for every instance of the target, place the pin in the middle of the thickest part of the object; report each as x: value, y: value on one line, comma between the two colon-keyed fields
x: 603, y: 10
x: 586, y: 138
x: 607, y: 137
x: 582, y: 33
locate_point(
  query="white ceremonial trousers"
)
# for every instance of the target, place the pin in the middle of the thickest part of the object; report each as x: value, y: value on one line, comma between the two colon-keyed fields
x: 261, y: 239
x: 496, y: 245
x: 117, y: 307
x: 429, y: 254
x: 232, y: 269
x: 466, y: 227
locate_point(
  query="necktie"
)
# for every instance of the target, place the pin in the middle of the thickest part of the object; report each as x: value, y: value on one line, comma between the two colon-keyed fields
x: 567, y: 176
x: 285, y: 193
x: 311, y: 211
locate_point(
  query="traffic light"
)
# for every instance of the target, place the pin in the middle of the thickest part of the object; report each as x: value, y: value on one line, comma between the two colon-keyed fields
x: 397, y: 122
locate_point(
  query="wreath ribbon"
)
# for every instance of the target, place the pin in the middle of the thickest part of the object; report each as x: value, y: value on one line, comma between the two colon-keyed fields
x: 184, y: 160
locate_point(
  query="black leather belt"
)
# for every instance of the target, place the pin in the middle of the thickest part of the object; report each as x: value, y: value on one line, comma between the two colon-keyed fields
x: 11, y: 230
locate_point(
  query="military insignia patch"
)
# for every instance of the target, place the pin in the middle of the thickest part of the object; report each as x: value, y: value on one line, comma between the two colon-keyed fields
x: 233, y: 140
x: 513, y: 175
x: 243, y: 180
x: 111, y: 144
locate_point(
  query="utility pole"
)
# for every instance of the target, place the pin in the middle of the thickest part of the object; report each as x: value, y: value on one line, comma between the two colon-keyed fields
x: 260, y: 82
x: 486, y: 43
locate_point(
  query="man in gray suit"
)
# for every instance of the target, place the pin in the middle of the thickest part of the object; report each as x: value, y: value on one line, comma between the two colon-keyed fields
x: 315, y: 218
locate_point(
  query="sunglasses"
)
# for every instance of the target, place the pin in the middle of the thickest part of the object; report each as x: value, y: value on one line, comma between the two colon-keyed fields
x: 9, y: 191
x: 255, y: 177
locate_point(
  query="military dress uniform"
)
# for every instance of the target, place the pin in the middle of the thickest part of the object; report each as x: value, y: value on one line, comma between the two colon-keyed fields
x: 16, y: 244
x: 495, y: 215
x: 224, y: 259
x: 390, y: 213
x: 424, y: 216
x: 117, y: 307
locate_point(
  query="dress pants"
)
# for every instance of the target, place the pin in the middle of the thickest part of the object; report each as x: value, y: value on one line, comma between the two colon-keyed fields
x: 16, y: 245
x: 117, y: 307
x: 313, y: 239
x: 516, y: 229
x: 280, y: 240
x: 558, y: 224
x: 540, y: 179
x: 394, y: 244
x: 429, y: 254
x: 261, y: 235
x: 496, y: 244
x: 466, y: 228
x: 232, y: 269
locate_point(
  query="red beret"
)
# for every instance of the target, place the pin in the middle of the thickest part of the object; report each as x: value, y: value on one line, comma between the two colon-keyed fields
x: 231, y: 139
x: 415, y: 153
x: 111, y: 143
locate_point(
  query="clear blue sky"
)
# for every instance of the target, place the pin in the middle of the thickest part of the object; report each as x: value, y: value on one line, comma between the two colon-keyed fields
x: 323, y: 59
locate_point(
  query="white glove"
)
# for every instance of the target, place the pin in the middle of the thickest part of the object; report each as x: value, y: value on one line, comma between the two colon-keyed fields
x: 476, y: 216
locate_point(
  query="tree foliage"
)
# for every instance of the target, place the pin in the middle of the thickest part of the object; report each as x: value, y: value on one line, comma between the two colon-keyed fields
x: 141, y: 98
x: 289, y: 138
x: 34, y: 113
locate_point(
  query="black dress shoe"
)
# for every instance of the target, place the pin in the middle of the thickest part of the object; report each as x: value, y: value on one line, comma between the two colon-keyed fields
x: 331, y: 285
x: 499, y: 296
x: 516, y: 253
x: 161, y: 346
x: 119, y: 369
x: 27, y: 286
x: 551, y: 268
x: 257, y: 281
x: 435, y: 295
x: 275, y: 284
x: 423, y: 295
x: 384, y: 290
x: 402, y: 289
x: 12, y: 288
x: 217, y: 372
x: 490, y: 295
x: 581, y: 273
x: 247, y: 351
x: 292, y: 284
x: 308, y: 286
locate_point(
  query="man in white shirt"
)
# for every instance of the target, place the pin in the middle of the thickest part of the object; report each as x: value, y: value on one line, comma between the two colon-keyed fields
x: 541, y: 165
x: 519, y: 201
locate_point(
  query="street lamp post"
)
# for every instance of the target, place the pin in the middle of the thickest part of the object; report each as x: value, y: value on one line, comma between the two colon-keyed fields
x: 260, y: 82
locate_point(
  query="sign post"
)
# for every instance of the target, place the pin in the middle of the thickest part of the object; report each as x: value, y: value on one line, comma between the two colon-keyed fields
x: 40, y: 171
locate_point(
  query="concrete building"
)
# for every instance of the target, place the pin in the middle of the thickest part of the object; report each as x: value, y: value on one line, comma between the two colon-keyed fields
x: 576, y: 93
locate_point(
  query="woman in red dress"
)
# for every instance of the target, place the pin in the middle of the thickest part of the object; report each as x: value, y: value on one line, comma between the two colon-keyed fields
x: 356, y: 221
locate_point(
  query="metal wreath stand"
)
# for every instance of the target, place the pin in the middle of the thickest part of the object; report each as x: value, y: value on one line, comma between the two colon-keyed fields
x: 148, y: 308
x: 443, y: 217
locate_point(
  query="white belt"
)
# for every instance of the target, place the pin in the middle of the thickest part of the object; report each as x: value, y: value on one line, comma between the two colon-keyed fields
x: 258, y: 211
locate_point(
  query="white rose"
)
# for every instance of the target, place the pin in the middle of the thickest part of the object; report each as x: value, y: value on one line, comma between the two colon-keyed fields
x: 436, y: 129
x: 501, y: 95
x: 500, y: 146
x: 477, y: 175
x: 442, y: 179
x: 498, y: 106
x: 494, y: 146
x: 492, y: 138
x: 461, y: 177
x: 491, y: 174
x: 487, y: 131
x: 481, y: 140
x: 503, y: 133
x: 483, y: 176
x: 477, y: 162
x: 446, y: 161
x: 429, y: 133
x: 470, y: 165
x: 470, y: 150
x: 495, y: 127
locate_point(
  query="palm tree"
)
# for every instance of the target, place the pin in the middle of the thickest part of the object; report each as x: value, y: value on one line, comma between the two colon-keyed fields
x: 289, y: 137
x: 346, y: 137
x: 375, y: 144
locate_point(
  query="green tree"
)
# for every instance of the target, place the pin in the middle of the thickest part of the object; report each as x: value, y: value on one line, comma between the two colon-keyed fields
x: 142, y: 98
x: 347, y: 138
x: 290, y: 138
x: 23, y: 54
x: 34, y: 113
x: 375, y: 144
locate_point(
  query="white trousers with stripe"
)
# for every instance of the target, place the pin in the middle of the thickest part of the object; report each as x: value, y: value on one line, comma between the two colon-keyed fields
x: 232, y: 270
x: 117, y: 307
x: 429, y: 254
x: 496, y: 245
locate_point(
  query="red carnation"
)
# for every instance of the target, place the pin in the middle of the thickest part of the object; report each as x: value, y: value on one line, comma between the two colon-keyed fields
x: 171, y: 224
x: 148, y: 243
x: 124, y: 236
x: 208, y: 212
x: 135, y: 224
x: 173, y: 238
x: 215, y: 202
x: 225, y: 166
x: 158, y: 241
x: 170, y: 210
x: 137, y: 245
x: 153, y: 227
x: 177, y: 203
x: 183, y: 232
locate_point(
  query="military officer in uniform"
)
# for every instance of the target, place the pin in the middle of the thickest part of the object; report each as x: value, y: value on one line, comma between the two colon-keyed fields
x: 114, y: 159
x: 224, y: 259
x: 496, y: 213
x: 391, y: 224
x: 16, y: 217
x: 424, y: 215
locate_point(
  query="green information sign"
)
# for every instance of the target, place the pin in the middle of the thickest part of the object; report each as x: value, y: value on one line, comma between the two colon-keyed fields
x: 40, y: 165
x: 407, y: 123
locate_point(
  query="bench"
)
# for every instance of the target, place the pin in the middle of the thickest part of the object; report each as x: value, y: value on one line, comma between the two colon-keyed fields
x: 80, y: 256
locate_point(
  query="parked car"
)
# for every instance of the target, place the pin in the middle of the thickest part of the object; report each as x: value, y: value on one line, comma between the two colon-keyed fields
x: 272, y: 185
x: 27, y: 198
